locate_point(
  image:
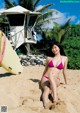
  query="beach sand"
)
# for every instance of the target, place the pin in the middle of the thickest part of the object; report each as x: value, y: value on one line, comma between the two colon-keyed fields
x: 22, y: 93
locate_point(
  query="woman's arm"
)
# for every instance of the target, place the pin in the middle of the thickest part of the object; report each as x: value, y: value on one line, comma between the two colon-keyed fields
x: 65, y: 70
x: 46, y: 67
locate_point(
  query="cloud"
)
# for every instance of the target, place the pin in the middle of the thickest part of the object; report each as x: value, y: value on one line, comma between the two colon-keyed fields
x: 63, y: 17
x: 73, y: 18
x: 1, y: 10
x: 60, y: 18
x: 78, y: 22
x: 39, y: 7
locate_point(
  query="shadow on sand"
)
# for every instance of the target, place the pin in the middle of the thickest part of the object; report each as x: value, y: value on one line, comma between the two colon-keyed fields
x: 5, y: 75
x: 39, y: 82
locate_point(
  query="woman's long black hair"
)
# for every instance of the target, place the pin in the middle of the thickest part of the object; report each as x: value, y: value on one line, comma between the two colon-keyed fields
x: 50, y: 53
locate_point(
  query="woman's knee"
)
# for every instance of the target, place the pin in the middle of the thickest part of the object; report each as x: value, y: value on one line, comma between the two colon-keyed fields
x: 46, y: 89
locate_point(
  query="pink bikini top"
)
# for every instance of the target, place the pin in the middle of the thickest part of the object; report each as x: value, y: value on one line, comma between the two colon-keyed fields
x: 59, y: 66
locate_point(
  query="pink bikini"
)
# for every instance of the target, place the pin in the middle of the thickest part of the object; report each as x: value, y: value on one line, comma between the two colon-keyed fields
x: 51, y: 65
x: 59, y: 66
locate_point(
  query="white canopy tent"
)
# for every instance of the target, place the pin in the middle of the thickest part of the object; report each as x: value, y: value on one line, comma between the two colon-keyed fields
x: 18, y: 9
x: 18, y: 32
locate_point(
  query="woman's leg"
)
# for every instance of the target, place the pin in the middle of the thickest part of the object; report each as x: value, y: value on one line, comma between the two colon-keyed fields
x: 46, y: 91
x: 57, y: 81
x: 54, y: 83
x: 45, y: 95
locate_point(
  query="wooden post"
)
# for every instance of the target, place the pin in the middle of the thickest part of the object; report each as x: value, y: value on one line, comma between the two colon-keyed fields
x: 27, y: 45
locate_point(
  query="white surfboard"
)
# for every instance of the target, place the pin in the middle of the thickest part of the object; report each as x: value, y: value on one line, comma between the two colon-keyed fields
x: 8, y: 57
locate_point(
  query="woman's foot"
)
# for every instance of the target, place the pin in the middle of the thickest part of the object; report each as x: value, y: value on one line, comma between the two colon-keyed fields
x: 56, y: 102
x: 53, y: 105
x: 48, y: 105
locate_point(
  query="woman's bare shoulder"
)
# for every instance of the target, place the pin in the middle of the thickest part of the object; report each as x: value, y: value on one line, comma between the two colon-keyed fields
x: 49, y: 58
x: 65, y: 58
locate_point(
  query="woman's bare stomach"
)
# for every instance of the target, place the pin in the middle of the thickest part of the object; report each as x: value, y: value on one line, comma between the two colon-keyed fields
x: 54, y: 71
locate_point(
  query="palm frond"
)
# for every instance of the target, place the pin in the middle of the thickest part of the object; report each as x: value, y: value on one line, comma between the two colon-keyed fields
x: 48, y: 14
x: 56, y: 25
x: 31, y: 5
x: 66, y: 24
x: 44, y: 7
x: 36, y: 2
x: 8, y: 4
x: 45, y: 15
x: 60, y: 34
x: 28, y: 4
x: 45, y: 21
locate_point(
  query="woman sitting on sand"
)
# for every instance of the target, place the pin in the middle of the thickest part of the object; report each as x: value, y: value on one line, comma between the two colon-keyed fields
x: 51, y: 79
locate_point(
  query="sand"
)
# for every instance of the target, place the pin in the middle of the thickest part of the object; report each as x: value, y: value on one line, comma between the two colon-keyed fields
x: 22, y: 93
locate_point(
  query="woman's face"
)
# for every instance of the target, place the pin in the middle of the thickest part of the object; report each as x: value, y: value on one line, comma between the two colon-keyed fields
x: 55, y: 49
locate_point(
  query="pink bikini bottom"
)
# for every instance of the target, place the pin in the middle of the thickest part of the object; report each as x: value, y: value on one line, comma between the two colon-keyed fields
x: 47, y: 77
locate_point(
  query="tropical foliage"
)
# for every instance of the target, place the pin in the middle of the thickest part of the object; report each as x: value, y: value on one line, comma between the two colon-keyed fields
x: 9, y: 4
x: 58, y: 32
x: 71, y: 45
x: 68, y: 35
x: 75, y: 30
x: 72, y: 49
x: 31, y: 5
x: 2, y: 18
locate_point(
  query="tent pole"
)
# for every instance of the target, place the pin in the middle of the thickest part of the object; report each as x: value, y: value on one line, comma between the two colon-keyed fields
x: 27, y: 45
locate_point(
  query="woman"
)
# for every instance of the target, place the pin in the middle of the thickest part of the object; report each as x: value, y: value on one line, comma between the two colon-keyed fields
x: 50, y: 79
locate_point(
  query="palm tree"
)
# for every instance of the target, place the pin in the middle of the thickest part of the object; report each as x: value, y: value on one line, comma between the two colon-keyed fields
x: 9, y: 4
x: 31, y: 5
x: 28, y: 4
x: 58, y: 32
x: 42, y: 19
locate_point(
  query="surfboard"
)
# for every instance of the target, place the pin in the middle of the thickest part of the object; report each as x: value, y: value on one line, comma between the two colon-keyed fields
x: 8, y: 56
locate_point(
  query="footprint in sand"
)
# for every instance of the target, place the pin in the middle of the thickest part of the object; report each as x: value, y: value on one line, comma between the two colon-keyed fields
x: 61, y: 107
x: 31, y: 104
x: 26, y: 100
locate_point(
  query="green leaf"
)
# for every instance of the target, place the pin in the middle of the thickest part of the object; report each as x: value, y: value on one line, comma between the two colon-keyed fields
x: 44, y: 7
x: 36, y: 2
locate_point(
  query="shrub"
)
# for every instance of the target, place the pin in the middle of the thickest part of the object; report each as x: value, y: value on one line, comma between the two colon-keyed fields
x: 71, y: 47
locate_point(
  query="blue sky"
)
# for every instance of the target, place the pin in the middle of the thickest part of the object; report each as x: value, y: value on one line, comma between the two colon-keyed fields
x: 66, y: 10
